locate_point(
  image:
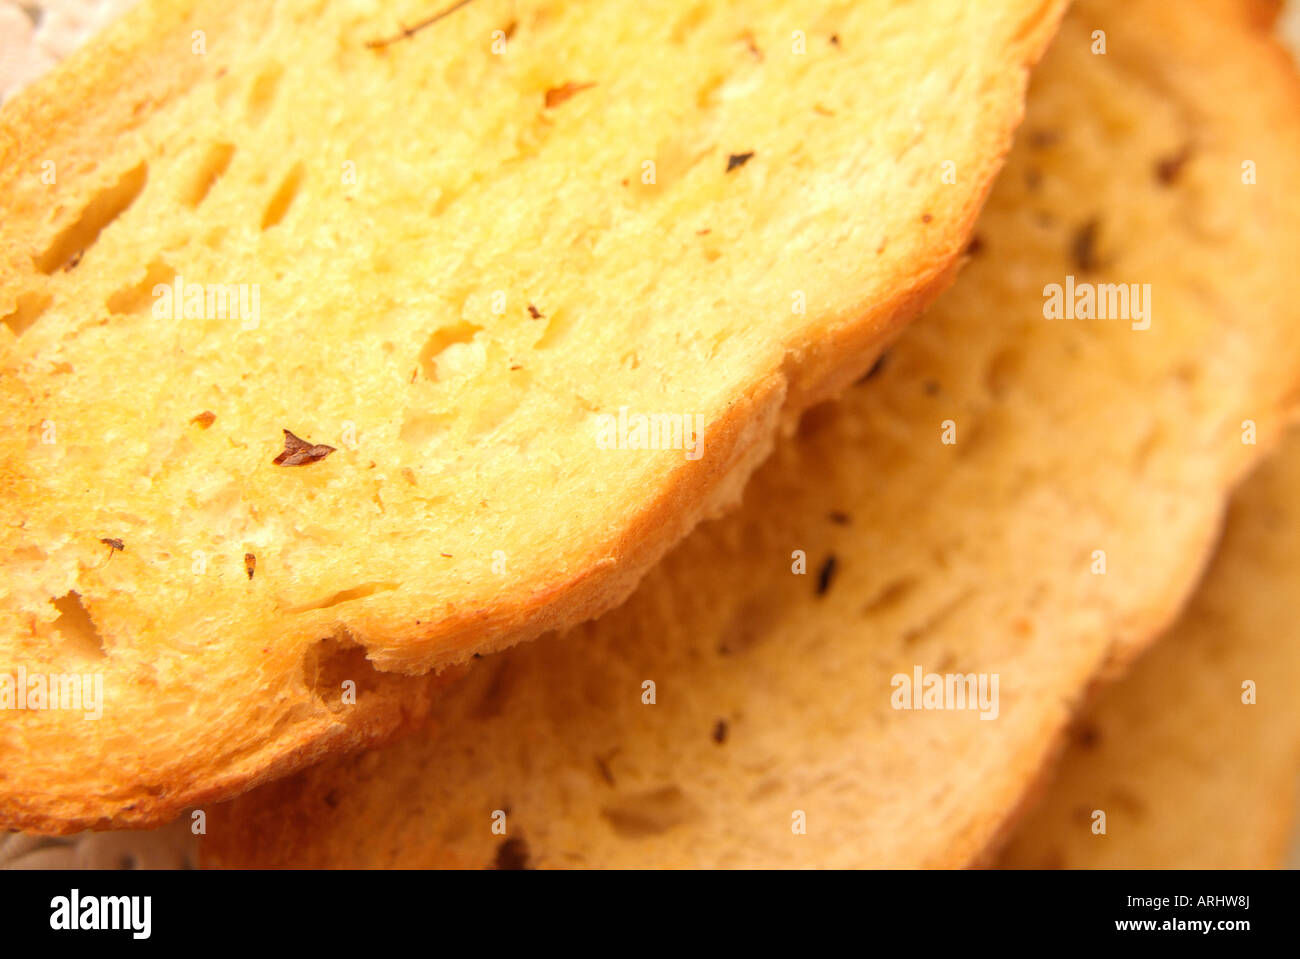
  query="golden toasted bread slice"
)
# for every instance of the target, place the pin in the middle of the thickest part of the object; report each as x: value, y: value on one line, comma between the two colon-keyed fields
x: 1009, y: 497
x: 422, y: 328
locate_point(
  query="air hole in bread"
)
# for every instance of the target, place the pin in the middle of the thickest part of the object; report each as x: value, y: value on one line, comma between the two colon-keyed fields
x: 107, y: 206
x: 284, y: 197
x: 650, y: 813
x: 77, y: 628
x: 214, y: 164
x: 27, y: 311
x: 331, y: 662
x: 343, y: 596
x: 138, y: 297
x: 818, y: 417
x: 440, y: 358
x: 261, y: 95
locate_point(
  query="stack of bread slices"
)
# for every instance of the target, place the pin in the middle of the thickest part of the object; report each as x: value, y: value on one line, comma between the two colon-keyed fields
x: 551, y: 434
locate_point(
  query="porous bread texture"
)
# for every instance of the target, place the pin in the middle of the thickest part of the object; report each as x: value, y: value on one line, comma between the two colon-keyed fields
x: 1187, y: 774
x: 719, y: 210
x: 773, y: 690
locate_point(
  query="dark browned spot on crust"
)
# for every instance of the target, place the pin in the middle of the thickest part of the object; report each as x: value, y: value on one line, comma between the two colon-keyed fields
x: 976, y: 245
x: 512, y: 854
x: 298, y: 452
x: 736, y: 160
x: 204, y: 419
x: 720, y: 731
x: 826, y: 575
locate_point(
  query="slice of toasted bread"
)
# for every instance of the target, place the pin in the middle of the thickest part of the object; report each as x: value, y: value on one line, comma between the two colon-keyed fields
x: 1060, y: 532
x: 424, y: 330
x: 1193, y: 757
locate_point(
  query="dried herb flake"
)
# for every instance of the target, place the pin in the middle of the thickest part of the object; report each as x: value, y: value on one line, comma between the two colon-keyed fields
x: 826, y: 575
x: 298, y: 452
x: 738, y: 160
x: 557, y: 95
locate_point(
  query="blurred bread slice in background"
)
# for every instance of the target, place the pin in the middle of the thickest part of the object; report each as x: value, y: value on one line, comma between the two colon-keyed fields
x: 1193, y: 758
x: 1060, y: 532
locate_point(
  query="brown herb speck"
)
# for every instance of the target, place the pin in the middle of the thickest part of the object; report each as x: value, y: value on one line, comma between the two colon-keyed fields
x: 826, y: 575
x: 720, y: 731
x: 332, y: 799
x: 557, y: 95
x: 114, y: 545
x: 976, y: 245
x: 1040, y: 139
x: 250, y: 564
x: 298, y: 452
x: 839, y: 517
x: 1168, y: 169
x: 204, y: 419
x: 1088, y: 736
x: 738, y: 160
x: 835, y: 39
x: 927, y: 217
x: 602, y: 764
x: 535, y: 313
x: 512, y: 854
x: 1083, y: 246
